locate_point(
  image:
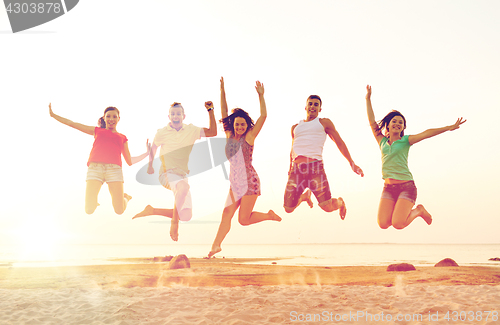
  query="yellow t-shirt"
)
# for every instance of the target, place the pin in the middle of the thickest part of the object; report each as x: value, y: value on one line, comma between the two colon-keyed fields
x: 176, y: 146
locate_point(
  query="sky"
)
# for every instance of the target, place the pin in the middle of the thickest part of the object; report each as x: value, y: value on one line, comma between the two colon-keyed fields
x: 433, y: 61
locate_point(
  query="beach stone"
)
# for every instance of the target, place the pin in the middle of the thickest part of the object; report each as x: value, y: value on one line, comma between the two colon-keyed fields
x: 179, y: 262
x: 400, y: 267
x: 446, y: 262
x: 494, y: 259
x: 167, y: 258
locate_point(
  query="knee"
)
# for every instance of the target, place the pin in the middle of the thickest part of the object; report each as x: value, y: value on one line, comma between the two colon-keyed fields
x: 327, y: 207
x: 399, y: 225
x: 183, y: 188
x: 89, y: 209
x: 244, y: 222
x: 119, y: 210
x: 185, y: 215
x: 289, y: 210
x: 244, y: 219
x: 384, y: 225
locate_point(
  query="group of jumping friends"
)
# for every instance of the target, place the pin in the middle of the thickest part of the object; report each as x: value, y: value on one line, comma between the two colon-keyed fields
x: 306, y: 174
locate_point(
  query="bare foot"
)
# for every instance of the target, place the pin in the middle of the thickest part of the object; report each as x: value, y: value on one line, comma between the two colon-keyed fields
x: 424, y: 214
x: 306, y: 196
x: 128, y: 197
x: 214, y: 251
x: 274, y: 215
x: 174, y: 229
x: 148, y: 211
x: 342, y: 208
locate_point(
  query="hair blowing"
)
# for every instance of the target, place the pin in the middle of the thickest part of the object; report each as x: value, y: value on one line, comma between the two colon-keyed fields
x: 228, y: 121
x: 384, y: 123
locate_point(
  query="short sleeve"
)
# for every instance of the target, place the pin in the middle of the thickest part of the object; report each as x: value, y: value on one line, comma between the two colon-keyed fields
x: 157, y: 141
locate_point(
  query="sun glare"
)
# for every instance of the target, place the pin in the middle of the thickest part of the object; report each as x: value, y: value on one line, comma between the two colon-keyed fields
x: 38, y: 240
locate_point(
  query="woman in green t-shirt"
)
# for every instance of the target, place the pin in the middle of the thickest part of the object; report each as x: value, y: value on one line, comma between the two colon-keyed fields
x: 399, y: 194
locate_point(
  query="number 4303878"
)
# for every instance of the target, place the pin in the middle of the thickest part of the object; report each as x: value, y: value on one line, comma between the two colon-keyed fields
x: 33, y: 8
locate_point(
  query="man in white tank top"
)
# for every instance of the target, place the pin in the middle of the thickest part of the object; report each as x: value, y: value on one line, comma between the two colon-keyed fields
x: 306, y: 161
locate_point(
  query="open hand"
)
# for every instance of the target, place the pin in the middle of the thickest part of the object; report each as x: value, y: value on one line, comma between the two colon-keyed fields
x: 259, y: 87
x: 457, y: 124
x: 357, y: 170
x: 221, y: 83
x: 368, y: 92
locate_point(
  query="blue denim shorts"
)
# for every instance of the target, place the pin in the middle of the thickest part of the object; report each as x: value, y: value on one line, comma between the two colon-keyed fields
x: 104, y: 173
x: 394, y: 192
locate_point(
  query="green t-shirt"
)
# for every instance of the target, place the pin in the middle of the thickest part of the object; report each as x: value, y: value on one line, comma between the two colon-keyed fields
x: 395, y: 159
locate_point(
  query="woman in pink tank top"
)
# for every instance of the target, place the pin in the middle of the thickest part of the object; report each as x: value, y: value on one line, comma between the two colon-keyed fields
x: 104, y: 164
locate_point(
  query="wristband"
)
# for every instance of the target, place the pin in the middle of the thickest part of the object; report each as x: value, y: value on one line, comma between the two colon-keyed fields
x: 211, y: 108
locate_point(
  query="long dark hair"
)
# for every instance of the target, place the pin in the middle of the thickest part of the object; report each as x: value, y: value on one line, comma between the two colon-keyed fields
x: 228, y: 121
x: 384, y: 123
x: 101, y: 123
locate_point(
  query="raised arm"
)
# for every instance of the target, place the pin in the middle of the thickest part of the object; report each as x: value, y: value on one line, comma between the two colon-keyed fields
x: 80, y: 127
x: 223, y: 102
x: 371, y: 116
x: 133, y: 160
x: 412, y: 139
x: 263, y: 111
x: 212, y: 130
x: 334, y: 135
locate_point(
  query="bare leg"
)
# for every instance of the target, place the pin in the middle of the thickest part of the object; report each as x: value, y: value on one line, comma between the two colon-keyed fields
x: 224, y: 227
x: 306, y: 196
x: 335, y: 204
x: 150, y: 211
x: 403, y: 214
x: 91, y: 193
x: 385, y: 209
x: 119, y: 198
x: 248, y: 217
x: 182, y: 190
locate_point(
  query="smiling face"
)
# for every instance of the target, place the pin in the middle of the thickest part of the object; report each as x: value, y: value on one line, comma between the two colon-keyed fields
x: 111, y: 119
x: 396, y: 125
x: 176, y: 116
x: 240, y: 126
x: 313, y: 107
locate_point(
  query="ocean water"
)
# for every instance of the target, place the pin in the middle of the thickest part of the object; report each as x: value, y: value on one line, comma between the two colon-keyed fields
x: 284, y: 254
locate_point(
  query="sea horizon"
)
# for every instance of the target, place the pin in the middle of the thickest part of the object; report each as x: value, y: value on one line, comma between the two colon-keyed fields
x: 306, y: 254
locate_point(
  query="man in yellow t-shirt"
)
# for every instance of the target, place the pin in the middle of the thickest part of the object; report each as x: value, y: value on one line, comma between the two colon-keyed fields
x: 176, y: 141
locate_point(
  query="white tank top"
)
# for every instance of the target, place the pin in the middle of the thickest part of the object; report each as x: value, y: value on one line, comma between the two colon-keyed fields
x: 308, y: 139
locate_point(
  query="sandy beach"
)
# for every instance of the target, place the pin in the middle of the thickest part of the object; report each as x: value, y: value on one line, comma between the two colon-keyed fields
x: 225, y: 291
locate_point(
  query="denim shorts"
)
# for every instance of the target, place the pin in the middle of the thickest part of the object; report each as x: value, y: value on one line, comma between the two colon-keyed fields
x: 307, y: 175
x: 104, y: 173
x: 394, y: 192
